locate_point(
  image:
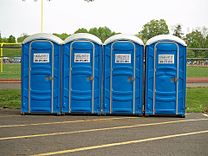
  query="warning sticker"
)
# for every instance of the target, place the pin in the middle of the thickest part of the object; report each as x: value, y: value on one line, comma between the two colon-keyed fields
x: 122, y: 58
x: 82, y: 57
x: 41, y: 58
x: 166, y: 59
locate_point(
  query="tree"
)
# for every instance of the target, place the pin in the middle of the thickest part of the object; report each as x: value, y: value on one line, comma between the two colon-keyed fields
x: 21, y: 38
x: 178, y: 31
x: 81, y: 30
x: 206, y: 42
x: 63, y: 36
x: 11, y: 39
x: 153, y: 28
x: 196, y: 39
x: 102, y: 32
x: 89, y: 0
x: 0, y: 38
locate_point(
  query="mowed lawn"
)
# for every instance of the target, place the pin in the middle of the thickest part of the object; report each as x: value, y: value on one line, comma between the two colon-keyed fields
x: 196, y: 99
x: 10, y: 98
x: 13, y: 71
x: 193, y: 71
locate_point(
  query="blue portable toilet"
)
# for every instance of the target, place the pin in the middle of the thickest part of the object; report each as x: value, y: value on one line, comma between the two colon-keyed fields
x: 123, y: 75
x: 165, y: 76
x: 41, y: 74
x: 82, y: 73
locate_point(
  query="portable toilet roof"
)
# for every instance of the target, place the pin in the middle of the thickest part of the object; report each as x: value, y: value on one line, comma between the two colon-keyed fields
x: 166, y: 37
x: 86, y: 36
x: 123, y: 37
x: 44, y: 36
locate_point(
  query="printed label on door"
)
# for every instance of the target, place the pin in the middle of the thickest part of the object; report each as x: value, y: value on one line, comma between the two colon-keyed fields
x: 122, y: 58
x: 41, y: 58
x: 165, y: 59
x: 81, y: 57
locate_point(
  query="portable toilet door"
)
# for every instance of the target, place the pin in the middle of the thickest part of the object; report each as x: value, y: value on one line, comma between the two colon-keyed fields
x: 165, y: 76
x: 41, y: 74
x: 82, y: 73
x: 123, y: 75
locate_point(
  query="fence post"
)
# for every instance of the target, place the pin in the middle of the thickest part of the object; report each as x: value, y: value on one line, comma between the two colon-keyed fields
x: 1, y: 55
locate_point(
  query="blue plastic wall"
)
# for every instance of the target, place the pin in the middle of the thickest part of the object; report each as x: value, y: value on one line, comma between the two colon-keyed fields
x: 77, y: 82
x: 124, y: 77
x: 163, y: 100
x: 37, y: 77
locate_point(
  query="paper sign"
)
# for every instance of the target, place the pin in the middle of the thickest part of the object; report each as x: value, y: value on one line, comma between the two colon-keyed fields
x: 81, y: 57
x: 122, y: 58
x: 165, y: 59
x: 41, y: 58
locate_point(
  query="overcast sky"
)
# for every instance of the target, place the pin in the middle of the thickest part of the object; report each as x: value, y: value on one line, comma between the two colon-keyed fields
x: 125, y: 16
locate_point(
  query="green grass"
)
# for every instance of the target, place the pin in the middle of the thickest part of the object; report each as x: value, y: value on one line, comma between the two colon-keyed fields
x: 11, y: 71
x: 11, y: 52
x: 10, y: 98
x: 197, y: 99
x: 197, y: 71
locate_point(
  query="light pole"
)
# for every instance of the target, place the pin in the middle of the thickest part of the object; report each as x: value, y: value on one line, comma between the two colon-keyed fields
x: 41, y: 16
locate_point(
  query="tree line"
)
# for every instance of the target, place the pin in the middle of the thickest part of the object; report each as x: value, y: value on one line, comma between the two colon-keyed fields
x: 198, y: 38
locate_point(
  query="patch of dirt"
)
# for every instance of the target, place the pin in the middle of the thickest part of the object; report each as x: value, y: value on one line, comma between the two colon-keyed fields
x: 197, y: 80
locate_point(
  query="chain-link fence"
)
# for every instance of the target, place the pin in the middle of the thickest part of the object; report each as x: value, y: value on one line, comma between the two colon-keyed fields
x: 10, y: 61
x: 197, y: 56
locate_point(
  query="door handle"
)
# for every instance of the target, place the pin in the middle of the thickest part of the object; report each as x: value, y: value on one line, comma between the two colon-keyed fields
x: 174, y: 79
x: 90, y: 78
x: 49, y: 78
x: 131, y: 78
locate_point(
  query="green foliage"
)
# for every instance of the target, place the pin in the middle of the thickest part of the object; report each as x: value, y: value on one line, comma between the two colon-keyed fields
x: 21, y: 38
x: 102, y: 32
x: 11, y: 39
x: 206, y: 42
x: 197, y: 39
x: 62, y: 36
x: 178, y: 31
x: 3, y: 40
x: 153, y: 28
x: 81, y: 30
